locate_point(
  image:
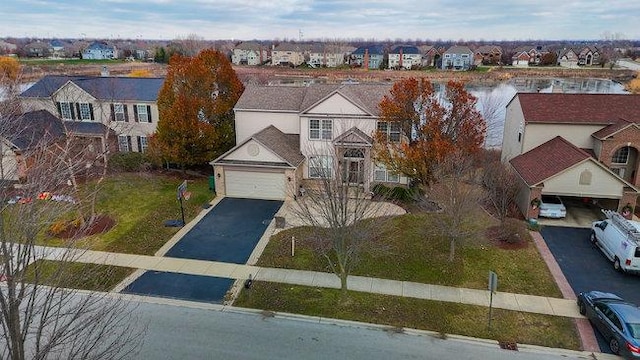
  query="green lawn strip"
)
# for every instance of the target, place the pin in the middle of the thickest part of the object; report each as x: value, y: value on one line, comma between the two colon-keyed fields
x: 82, y: 276
x: 413, y: 253
x: 450, y: 318
x: 27, y: 61
x: 140, y: 205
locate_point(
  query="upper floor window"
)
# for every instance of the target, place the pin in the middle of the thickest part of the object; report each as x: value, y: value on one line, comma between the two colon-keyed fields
x: 85, y: 111
x: 142, y: 112
x: 391, y: 130
x: 320, y: 129
x: 119, y: 112
x: 65, y: 110
x: 621, y: 156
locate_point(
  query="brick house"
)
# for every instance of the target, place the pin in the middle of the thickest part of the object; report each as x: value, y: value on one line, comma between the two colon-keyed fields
x: 583, y: 146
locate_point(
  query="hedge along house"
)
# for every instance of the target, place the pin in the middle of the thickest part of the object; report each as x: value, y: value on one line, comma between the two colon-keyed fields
x: 574, y: 145
x: 289, y: 137
x: 127, y: 105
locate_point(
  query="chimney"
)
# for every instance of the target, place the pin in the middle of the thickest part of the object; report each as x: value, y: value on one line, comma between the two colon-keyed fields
x: 365, y: 62
x: 400, y: 63
x: 105, y: 71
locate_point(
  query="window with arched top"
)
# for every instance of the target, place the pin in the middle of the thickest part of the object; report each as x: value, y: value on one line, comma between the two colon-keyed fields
x: 621, y: 156
x: 354, y: 153
x: 585, y: 177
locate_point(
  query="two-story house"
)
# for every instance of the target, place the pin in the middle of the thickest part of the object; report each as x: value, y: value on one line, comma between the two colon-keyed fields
x: 250, y: 53
x: 567, y: 57
x: 404, y: 57
x: 534, y: 54
x: 368, y: 57
x: 584, y: 146
x: 127, y: 105
x: 288, y: 54
x: 99, y: 50
x: 38, y: 49
x: 488, y: 55
x: 457, y: 58
x: 589, y: 56
x: 289, y: 137
x: 326, y: 55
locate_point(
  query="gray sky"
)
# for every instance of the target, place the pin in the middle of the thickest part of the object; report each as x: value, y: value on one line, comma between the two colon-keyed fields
x: 322, y: 19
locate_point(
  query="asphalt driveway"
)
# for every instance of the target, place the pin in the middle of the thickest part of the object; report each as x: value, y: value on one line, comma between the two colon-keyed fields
x: 180, y: 286
x: 229, y: 232
x: 586, y: 268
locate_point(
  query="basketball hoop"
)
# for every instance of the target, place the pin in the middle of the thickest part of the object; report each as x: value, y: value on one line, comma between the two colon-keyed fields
x: 186, y: 195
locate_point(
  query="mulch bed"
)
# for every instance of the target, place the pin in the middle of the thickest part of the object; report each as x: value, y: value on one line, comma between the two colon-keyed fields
x: 101, y: 224
x: 494, y: 234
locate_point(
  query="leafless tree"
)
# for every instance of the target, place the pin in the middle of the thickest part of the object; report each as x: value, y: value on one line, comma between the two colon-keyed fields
x: 336, y: 203
x: 491, y: 105
x: 191, y: 44
x: 458, y: 196
x: 501, y: 185
x: 40, y: 317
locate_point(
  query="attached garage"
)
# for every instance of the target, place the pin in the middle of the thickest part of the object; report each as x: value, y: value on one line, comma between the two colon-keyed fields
x: 255, y: 184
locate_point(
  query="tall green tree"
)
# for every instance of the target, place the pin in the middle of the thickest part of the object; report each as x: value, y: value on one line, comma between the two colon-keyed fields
x: 196, y: 109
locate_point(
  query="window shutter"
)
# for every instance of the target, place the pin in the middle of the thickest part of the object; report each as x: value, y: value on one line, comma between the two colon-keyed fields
x: 113, y: 113
x: 73, y: 110
x: 149, y: 113
x: 135, y: 112
x: 129, y: 142
x: 59, y: 109
x: 126, y: 113
x: 139, y: 144
x: 91, y: 111
x: 78, y: 113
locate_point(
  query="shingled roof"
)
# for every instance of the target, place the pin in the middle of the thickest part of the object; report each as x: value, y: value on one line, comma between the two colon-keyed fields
x: 36, y: 128
x: 612, y: 129
x: 101, y: 87
x: 299, y: 98
x: 547, y: 160
x: 579, y: 108
x: 287, y: 146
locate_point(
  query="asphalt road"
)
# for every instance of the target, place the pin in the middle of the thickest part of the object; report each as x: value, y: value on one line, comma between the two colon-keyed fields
x: 177, y: 332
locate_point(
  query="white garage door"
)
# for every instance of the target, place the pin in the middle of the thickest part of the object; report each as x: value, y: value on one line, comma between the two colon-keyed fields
x: 255, y: 185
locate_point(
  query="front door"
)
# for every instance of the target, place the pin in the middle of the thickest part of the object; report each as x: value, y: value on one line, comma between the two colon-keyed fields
x: 356, y: 172
x: 353, y: 170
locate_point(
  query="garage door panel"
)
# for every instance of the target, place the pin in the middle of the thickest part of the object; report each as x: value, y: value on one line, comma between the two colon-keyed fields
x: 255, y: 185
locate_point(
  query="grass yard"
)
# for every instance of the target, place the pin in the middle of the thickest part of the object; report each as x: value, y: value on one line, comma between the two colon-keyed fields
x: 414, y: 253
x: 29, y: 61
x: 82, y: 276
x: 450, y: 318
x: 140, y: 203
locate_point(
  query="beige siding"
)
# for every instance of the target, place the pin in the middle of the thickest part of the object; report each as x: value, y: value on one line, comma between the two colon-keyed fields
x: 340, y: 125
x: 336, y: 104
x: 603, y: 184
x: 514, y: 123
x: 578, y: 135
x: 251, y: 122
x: 9, y: 165
x: 522, y: 199
x: 597, y: 147
x: 253, y: 151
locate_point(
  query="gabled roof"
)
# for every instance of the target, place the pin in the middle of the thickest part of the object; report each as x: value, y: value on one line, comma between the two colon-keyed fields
x: 547, y: 160
x: 35, y: 128
x: 372, y: 49
x: 485, y: 49
x: 406, y: 49
x: 353, y: 136
x: 298, y: 98
x: 458, y: 49
x: 579, y: 108
x: 613, y: 129
x: 99, y: 45
x: 285, y: 146
x: 101, y: 87
x: 250, y: 45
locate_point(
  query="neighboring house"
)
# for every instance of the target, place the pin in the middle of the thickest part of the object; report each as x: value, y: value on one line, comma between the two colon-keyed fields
x: 7, y: 47
x: 326, y: 55
x: 250, y: 53
x: 589, y: 56
x: 38, y: 49
x: 457, y: 58
x: 42, y: 130
x: 585, y: 146
x: 404, y: 57
x: 57, y: 48
x: 521, y: 59
x: 368, y: 57
x: 125, y: 104
x: 488, y: 55
x: 568, y: 58
x: 288, y: 54
x: 99, y: 50
x: 288, y: 137
x: 536, y: 53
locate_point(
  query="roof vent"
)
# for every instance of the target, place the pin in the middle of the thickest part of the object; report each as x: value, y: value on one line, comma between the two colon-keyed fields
x: 105, y: 71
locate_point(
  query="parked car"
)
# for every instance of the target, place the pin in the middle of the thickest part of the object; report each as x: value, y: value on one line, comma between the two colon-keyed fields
x: 617, y: 320
x: 619, y: 240
x: 551, y: 206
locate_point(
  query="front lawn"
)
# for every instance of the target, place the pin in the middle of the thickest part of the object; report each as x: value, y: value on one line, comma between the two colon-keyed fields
x: 93, y: 277
x: 140, y: 204
x: 415, y: 253
x: 449, y: 318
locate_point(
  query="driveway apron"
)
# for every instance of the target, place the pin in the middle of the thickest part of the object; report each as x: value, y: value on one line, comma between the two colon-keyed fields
x: 229, y: 232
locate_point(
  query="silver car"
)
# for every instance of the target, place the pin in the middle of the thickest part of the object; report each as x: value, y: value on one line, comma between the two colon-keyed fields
x: 551, y: 206
x: 617, y: 320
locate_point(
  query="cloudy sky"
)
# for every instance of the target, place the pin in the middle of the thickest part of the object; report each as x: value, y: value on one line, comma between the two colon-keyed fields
x: 322, y: 19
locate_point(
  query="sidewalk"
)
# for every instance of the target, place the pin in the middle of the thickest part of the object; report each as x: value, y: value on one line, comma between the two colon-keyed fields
x: 501, y: 300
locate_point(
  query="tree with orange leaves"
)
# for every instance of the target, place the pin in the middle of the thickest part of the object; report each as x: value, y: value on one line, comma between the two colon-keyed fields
x: 196, y: 109
x: 432, y: 125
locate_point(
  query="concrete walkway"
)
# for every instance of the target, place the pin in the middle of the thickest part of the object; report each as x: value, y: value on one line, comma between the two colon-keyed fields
x: 501, y: 300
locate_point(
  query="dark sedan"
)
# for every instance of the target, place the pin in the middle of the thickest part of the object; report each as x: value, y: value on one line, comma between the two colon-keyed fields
x: 617, y: 320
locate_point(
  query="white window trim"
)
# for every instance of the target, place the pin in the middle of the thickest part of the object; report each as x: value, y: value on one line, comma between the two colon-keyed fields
x: 326, y: 167
x: 323, y: 134
x: 388, y: 176
x: 144, y: 107
x: 123, y: 147
x: 144, y: 144
x: 81, y: 115
x: 65, y: 106
x: 118, y: 109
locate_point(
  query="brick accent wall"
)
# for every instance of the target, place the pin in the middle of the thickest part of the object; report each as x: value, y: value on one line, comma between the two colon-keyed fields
x: 536, y: 192
x: 627, y: 137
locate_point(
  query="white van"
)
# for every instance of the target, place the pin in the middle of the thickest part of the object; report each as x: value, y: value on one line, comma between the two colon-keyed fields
x: 619, y: 240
